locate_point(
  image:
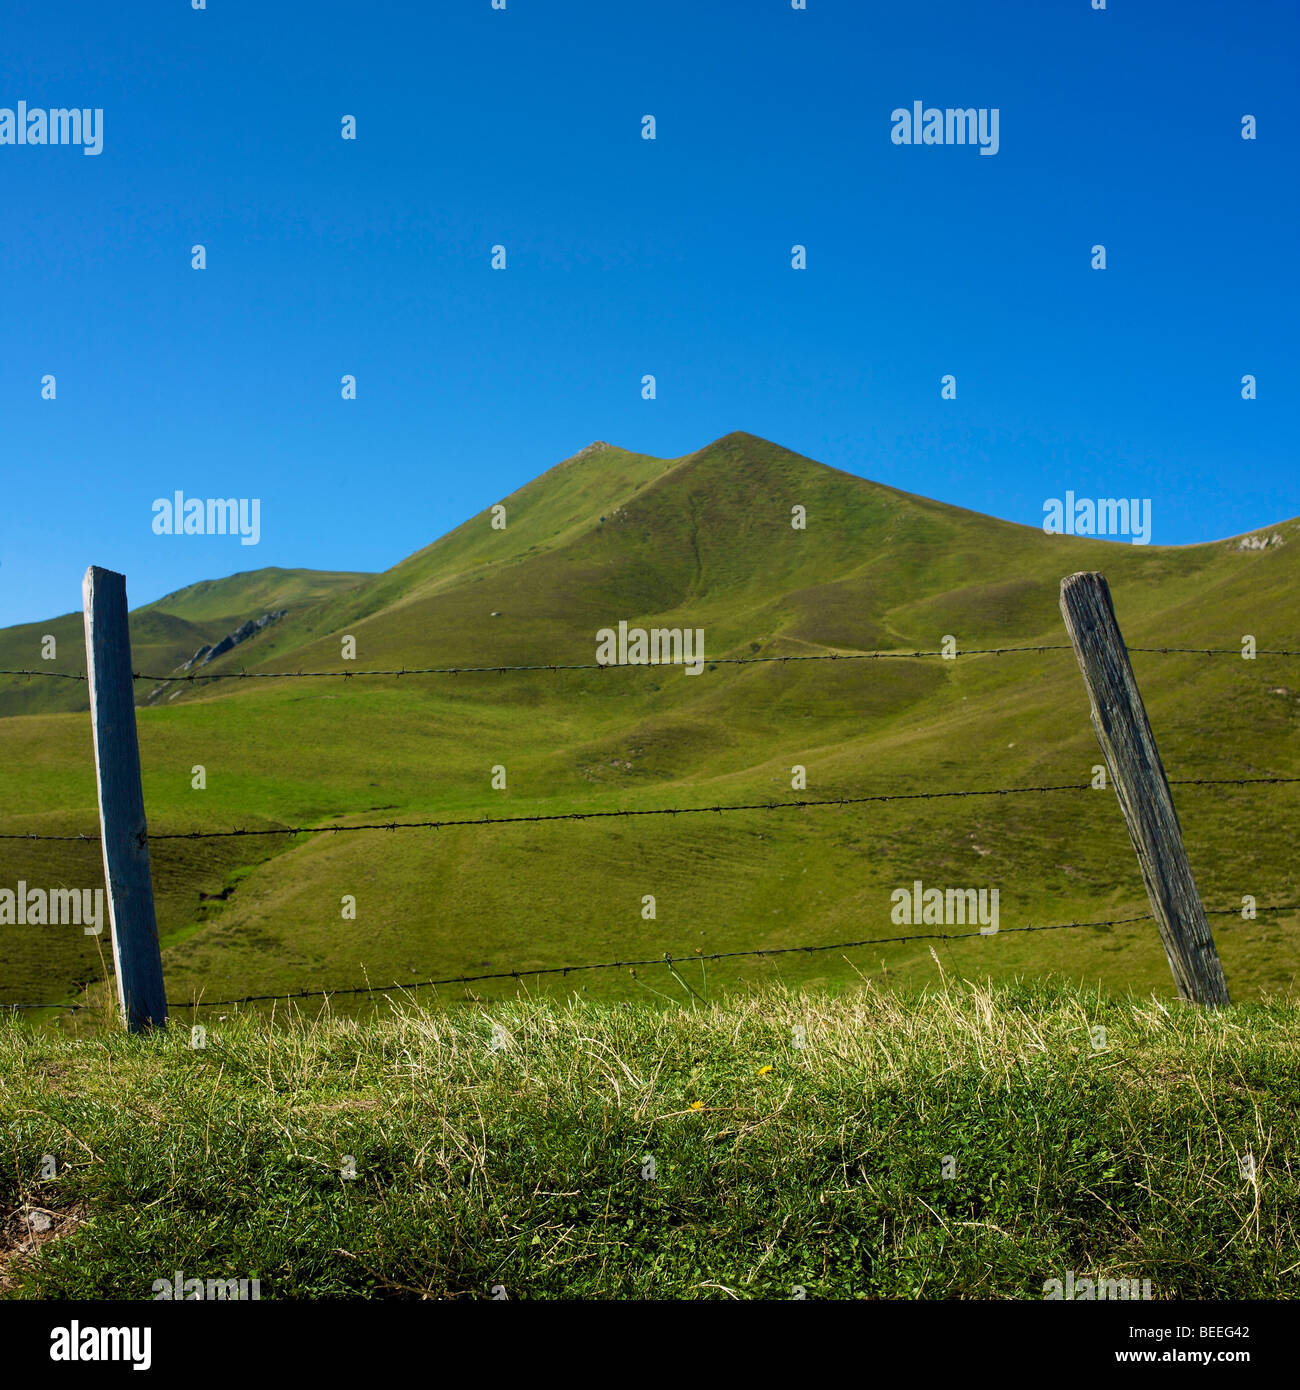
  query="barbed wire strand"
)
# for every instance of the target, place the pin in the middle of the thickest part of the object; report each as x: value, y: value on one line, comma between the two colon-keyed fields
x: 194, y: 676
x: 666, y: 959
x: 804, y: 804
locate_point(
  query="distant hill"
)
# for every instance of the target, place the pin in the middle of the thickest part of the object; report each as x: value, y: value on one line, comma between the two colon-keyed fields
x: 163, y: 634
x: 703, y: 541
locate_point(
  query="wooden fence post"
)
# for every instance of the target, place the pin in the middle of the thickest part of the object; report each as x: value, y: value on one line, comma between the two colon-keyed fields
x: 123, y: 832
x: 1120, y: 719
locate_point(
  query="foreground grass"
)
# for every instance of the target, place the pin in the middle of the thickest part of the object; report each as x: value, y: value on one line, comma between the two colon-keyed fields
x: 510, y: 1146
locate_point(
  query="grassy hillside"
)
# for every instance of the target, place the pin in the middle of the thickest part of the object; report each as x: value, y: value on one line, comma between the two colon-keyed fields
x: 510, y: 1148
x: 163, y: 634
x: 706, y: 542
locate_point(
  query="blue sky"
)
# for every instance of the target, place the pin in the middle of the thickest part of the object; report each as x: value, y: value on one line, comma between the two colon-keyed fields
x: 628, y: 257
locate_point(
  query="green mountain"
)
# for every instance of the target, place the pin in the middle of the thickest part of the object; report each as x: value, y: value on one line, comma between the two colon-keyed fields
x: 703, y: 542
x: 164, y: 634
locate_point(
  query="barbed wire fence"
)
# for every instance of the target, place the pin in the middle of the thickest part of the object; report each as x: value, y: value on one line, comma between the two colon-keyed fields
x: 145, y: 838
x: 196, y: 677
x: 537, y: 972
x: 139, y: 839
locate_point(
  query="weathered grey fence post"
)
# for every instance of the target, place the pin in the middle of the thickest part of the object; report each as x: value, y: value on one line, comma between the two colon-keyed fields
x: 136, y: 955
x: 1120, y: 719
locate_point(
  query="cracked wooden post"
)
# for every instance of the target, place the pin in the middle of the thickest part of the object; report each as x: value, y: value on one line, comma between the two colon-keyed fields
x: 123, y: 832
x: 1124, y: 732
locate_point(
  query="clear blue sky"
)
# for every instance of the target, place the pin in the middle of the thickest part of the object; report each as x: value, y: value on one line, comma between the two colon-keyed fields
x: 628, y: 257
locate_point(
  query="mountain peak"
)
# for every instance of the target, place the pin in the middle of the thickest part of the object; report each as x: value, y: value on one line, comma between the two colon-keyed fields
x: 594, y: 447
x: 736, y: 437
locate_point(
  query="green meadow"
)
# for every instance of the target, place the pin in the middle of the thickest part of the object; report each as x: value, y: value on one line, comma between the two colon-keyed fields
x: 704, y: 542
x: 971, y: 1141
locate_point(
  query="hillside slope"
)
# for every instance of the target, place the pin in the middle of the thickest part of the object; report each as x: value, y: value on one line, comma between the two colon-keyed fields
x: 163, y: 634
x: 703, y: 542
